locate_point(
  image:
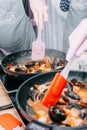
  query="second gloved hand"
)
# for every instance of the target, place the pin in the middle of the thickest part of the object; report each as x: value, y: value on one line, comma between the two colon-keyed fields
x: 78, y: 40
x: 40, y: 12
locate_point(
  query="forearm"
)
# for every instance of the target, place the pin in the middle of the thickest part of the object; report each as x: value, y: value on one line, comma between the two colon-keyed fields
x: 40, y: 11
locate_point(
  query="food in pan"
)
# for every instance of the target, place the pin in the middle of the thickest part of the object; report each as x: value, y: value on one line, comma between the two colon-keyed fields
x: 30, y: 66
x: 70, y: 110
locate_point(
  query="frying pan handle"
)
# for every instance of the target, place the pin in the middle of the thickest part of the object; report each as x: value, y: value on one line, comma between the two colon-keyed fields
x: 4, y: 52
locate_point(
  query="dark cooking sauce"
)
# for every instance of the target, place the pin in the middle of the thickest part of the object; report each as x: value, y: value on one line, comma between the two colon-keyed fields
x: 45, y: 65
x: 71, y: 109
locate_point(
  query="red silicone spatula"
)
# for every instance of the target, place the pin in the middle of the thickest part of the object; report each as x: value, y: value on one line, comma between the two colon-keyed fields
x: 38, y: 48
x: 57, y: 85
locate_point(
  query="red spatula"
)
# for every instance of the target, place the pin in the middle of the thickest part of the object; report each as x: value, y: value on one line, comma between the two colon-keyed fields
x: 57, y: 85
x: 38, y: 48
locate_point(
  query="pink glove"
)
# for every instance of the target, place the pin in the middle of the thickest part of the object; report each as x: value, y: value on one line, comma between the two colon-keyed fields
x: 40, y: 11
x: 78, y: 40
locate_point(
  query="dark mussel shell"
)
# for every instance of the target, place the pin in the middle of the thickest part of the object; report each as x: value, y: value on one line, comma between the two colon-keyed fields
x: 30, y: 64
x: 58, y: 62
x: 79, y: 83
x: 35, y: 95
x: 70, y: 92
x: 56, y: 114
x: 20, y: 70
x: 82, y: 109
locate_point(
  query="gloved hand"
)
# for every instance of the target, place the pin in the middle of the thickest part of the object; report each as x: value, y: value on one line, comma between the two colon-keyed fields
x: 78, y: 40
x: 40, y: 11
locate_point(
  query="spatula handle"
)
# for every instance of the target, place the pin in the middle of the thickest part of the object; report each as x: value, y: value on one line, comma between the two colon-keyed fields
x: 39, y: 35
x: 66, y: 70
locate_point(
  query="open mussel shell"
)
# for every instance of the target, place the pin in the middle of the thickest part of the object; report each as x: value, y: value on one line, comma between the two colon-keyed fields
x: 57, y: 115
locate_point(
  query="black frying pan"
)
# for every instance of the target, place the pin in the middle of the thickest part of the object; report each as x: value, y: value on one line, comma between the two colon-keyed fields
x: 22, y: 96
x: 25, y: 55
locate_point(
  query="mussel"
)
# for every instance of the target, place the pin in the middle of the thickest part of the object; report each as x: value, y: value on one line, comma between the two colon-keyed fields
x: 33, y: 94
x: 79, y: 83
x: 70, y: 92
x: 57, y: 115
x: 21, y: 70
x: 56, y: 63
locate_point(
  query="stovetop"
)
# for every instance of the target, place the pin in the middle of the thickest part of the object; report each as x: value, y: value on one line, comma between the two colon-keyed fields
x: 11, y: 87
